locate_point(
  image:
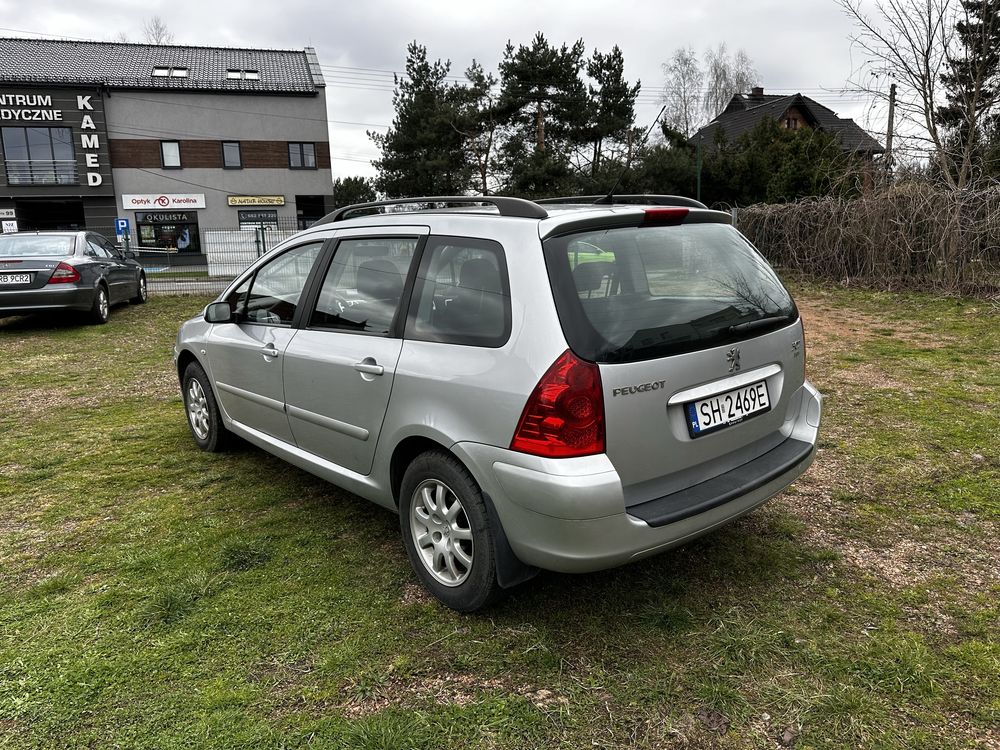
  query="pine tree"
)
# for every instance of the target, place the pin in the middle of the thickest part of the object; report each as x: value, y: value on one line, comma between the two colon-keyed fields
x: 422, y: 153
x: 544, y: 102
x: 611, y: 110
x: 972, y: 86
x: 479, y: 124
x: 350, y: 190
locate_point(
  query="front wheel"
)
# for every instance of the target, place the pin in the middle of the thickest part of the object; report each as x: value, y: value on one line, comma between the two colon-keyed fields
x: 141, y: 291
x: 446, y: 532
x: 203, y: 414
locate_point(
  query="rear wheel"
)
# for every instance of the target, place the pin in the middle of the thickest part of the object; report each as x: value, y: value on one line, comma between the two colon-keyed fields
x: 446, y: 532
x: 141, y: 292
x: 102, y: 306
x: 203, y: 414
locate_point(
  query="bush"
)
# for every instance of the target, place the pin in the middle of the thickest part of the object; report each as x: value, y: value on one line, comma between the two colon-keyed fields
x: 912, y: 236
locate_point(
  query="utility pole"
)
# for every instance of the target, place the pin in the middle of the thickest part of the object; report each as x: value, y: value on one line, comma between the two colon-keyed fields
x: 698, y: 169
x: 888, y: 134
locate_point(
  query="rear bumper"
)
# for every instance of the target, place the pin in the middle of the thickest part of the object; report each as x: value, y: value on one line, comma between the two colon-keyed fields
x: 48, y: 298
x: 569, y: 515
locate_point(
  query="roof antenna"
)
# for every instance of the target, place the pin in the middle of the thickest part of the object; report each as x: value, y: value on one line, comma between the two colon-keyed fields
x: 609, y: 198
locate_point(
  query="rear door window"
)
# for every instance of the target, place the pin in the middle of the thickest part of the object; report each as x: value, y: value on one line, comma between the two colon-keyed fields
x: 637, y: 293
x: 462, y: 294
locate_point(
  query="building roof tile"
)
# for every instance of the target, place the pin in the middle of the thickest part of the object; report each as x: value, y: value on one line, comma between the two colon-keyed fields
x: 130, y: 66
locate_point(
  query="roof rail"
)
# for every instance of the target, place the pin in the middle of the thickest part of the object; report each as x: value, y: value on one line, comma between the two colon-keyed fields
x: 505, y: 205
x: 640, y: 199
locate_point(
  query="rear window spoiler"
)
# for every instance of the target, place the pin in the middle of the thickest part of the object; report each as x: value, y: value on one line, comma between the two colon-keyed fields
x: 573, y: 223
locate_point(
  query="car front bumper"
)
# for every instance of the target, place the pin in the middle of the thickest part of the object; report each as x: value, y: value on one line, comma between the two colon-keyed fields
x: 569, y: 515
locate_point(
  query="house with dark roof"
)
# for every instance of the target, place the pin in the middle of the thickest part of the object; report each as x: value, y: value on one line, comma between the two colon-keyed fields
x: 745, y: 111
x: 172, y: 138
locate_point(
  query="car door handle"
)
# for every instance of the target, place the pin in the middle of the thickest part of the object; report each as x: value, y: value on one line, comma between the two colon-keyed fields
x: 369, y: 367
x: 270, y: 351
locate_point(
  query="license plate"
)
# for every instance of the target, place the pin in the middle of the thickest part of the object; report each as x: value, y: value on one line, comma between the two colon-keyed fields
x: 15, y: 278
x: 729, y: 408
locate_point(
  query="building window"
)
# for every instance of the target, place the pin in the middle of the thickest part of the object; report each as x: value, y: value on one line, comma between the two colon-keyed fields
x: 162, y: 71
x: 170, y: 231
x: 231, y: 158
x: 170, y: 154
x: 39, y: 156
x: 237, y: 73
x: 302, y: 155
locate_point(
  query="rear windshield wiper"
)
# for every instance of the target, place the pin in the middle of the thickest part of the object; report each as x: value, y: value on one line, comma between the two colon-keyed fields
x: 751, y: 325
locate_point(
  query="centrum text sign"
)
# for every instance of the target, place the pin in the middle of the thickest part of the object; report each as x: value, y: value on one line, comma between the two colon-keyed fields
x: 256, y: 200
x: 164, y: 200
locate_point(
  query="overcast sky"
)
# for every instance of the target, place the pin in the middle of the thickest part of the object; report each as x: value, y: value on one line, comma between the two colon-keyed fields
x: 796, y: 45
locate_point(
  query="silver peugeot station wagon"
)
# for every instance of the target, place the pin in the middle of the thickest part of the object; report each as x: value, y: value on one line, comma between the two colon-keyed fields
x: 560, y: 385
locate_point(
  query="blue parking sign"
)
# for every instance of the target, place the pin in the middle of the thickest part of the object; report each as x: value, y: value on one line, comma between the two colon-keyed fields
x: 121, y: 226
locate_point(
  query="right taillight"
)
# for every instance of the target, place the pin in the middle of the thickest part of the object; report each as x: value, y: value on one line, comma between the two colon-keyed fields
x: 64, y: 274
x: 564, y: 416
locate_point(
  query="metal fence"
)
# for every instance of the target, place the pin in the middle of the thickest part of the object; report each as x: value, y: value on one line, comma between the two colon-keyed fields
x: 224, y: 253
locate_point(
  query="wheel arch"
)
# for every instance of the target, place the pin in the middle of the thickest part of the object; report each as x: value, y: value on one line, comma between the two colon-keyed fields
x: 403, y: 454
x: 511, y: 571
x: 184, y: 358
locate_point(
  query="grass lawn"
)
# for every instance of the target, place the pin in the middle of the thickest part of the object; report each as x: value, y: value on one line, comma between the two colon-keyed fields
x: 152, y: 595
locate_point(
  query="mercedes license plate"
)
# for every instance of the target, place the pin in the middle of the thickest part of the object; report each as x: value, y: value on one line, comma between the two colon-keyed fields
x: 15, y: 278
x: 725, y: 409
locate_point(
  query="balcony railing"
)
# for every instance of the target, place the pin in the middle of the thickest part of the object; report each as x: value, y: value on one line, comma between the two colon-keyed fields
x: 42, y: 172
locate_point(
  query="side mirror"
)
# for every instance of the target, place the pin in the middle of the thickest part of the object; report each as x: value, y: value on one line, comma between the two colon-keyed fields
x: 129, y: 255
x: 219, y: 312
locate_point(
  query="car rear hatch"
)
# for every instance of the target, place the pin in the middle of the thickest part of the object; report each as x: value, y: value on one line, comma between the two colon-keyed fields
x: 699, y: 345
x: 27, y: 261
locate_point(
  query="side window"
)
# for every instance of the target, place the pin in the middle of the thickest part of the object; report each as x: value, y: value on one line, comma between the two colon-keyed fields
x: 274, y: 290
x: 96, y: 250
x: 237, y: 298
x: 112, y: 250
x: 462, y: 295
x: 364, y: 285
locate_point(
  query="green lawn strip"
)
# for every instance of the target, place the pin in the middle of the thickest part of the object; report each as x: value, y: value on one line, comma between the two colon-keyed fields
x: 152, y: 595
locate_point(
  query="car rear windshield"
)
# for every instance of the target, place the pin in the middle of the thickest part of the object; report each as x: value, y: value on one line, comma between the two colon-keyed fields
x: 35, y: 245
x: 638, y: 293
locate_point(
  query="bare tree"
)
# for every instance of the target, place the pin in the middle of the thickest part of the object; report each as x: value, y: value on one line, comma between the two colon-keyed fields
x: 682, y: 92
x: 727, y: 75
x: 914, y: 44
x: 155, y: 31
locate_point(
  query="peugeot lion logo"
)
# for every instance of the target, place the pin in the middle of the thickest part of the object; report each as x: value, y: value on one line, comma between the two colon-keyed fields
x: 733, y: 358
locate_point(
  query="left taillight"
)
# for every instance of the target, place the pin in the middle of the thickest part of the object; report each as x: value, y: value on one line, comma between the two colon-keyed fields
x: 564, y: 415
x: 64, y: 274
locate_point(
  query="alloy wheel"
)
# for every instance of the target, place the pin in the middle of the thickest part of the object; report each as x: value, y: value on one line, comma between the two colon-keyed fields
x: 197, y: 409
x: 442, y: 535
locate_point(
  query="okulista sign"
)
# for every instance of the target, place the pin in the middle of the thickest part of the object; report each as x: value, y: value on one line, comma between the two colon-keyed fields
x: 163, y: 200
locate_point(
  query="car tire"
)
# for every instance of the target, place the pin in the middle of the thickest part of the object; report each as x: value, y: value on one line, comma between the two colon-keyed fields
x: 203, y: 415
x: 101, y: 309
x: 446, y: 532
x: 141, y: 292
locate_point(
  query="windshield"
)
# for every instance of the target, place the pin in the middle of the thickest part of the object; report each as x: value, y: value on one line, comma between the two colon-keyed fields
x: 630, y: 294
x: 33, y: 245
